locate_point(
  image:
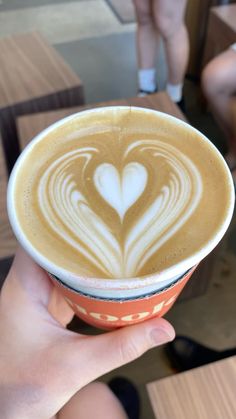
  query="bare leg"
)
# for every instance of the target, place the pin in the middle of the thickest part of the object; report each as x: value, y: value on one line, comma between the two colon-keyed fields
x: 169, y: 19
x: 219, y: 85
x: 147, y: 36
x: 95, y: 400
x: 147, y: 42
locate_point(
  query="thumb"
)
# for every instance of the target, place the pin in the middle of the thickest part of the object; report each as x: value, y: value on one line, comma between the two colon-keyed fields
x: 96, y: 355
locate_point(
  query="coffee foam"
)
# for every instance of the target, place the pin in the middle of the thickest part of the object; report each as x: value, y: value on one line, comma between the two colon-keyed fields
x: 120, y: 194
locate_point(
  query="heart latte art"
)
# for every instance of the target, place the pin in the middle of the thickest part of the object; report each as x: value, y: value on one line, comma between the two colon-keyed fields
x: 118, y: 198
x: 69, y: 213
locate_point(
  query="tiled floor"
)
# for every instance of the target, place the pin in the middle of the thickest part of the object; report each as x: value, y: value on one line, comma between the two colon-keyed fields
x: 102, y: 51
x: 22, y: 4
x: 64, y: 22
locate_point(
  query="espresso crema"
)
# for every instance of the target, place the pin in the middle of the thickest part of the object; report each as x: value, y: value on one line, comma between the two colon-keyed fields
x: 121, y: 193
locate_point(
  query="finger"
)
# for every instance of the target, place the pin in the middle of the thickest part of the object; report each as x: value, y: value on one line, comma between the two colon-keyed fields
x: 94, y: 356
x: 28, y: 283
x: 29, y: 277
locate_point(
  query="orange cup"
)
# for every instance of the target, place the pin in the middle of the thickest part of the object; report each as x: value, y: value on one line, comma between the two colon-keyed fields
x: 108, y: 313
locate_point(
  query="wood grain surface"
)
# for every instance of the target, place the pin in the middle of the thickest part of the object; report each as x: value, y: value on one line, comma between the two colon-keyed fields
x: 30, y: 125
x: 33, y: 78
x: 31, y: 68
x: 203, y: 393
x: 221, y: 32
x: 7, y: 239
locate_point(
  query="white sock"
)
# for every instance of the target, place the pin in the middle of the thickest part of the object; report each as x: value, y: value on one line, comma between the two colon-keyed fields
x: 147, y: 79
x: 175, y: 91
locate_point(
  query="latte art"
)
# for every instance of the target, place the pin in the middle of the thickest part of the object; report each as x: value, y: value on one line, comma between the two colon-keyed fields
x: 68, y: 212
x: 120, y: 190
x: 120, y: 193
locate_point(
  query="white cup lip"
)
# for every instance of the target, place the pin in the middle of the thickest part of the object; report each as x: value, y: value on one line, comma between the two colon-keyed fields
x: 125, y: 298
x: 122, y: 283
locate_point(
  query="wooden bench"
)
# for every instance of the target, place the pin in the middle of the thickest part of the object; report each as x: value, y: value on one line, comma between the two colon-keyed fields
x: 203, y: 393
x: 33, y: 78
x: 30, y: 125
x: 7, y: 239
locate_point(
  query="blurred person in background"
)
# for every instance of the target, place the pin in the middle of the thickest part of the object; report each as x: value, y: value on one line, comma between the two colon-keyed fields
x: 155, y: 19
x: 219, y: 87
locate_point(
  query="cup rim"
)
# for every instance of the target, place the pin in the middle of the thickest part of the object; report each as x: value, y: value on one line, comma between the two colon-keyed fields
x: 125, y: 299
x: 120, y: 283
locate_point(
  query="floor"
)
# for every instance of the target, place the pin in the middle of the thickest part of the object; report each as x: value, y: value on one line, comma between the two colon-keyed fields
x: 102, y: 51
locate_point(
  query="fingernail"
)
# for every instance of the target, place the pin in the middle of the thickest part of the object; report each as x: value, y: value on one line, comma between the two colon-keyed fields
x: 160, y: 336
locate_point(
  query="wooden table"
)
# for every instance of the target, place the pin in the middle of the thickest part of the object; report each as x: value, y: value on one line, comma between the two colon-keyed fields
x: 30, y: 125
x: 221, y: 31
x: 33, y: 78
x: 203, y: 393
x: 7, y: 239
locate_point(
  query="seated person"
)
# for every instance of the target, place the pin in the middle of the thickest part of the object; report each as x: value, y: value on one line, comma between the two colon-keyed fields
x: 219, y: 87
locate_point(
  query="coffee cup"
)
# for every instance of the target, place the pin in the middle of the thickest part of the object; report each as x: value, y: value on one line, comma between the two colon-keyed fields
x: 119, y: 205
